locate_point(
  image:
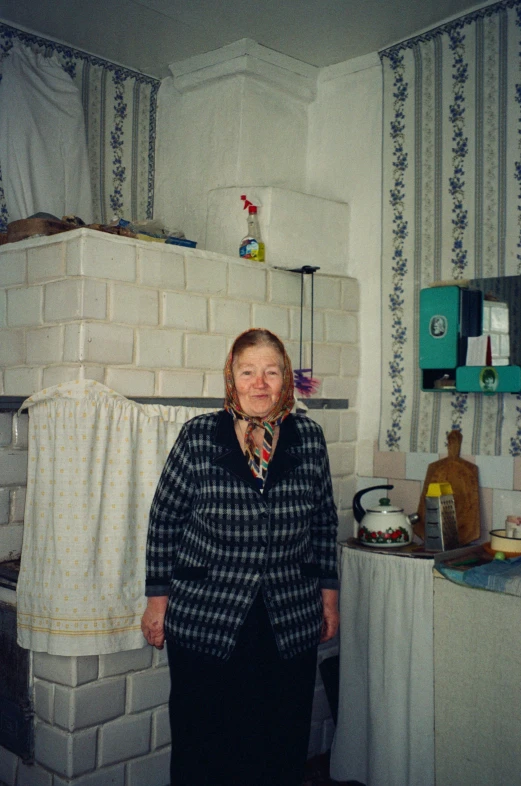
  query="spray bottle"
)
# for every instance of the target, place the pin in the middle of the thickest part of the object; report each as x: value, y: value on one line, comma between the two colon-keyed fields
x: 252, y: 246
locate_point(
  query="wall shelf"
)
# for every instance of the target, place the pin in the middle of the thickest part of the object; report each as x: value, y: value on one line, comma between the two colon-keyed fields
x: 452, y: 316
x: 13, y: 403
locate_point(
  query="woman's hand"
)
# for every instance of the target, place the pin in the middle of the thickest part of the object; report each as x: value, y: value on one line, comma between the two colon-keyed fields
x: 153, y: 621
x: 330, y: 615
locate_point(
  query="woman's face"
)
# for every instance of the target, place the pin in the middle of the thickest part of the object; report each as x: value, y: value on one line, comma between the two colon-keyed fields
x: 257, y: 373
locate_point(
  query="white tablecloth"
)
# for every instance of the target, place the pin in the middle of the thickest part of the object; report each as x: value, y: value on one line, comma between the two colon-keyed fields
x: 385, y: 729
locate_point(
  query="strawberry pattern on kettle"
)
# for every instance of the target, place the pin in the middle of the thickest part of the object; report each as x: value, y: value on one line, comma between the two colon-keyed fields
x: 390, y: 535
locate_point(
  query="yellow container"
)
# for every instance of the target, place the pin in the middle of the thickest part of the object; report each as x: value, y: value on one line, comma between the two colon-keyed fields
x: 439, y: 489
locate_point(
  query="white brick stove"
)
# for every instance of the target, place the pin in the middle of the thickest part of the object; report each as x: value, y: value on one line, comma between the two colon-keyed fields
x: 147, y: 320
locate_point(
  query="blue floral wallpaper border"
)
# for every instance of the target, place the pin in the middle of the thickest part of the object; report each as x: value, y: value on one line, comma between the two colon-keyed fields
x: 399, y: 260
x: 460, y: 222
x: 515, y: 440
x: 456, y: 24
x: 451, y: 165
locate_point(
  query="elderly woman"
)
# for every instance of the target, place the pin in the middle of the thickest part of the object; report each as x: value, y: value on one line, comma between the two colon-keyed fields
x: 241, y: 577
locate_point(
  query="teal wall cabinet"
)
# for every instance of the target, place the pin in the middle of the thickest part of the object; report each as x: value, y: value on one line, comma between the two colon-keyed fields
x: 449, y: 316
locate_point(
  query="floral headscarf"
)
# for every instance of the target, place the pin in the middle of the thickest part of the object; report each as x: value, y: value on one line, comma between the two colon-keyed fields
x: 258, y: 460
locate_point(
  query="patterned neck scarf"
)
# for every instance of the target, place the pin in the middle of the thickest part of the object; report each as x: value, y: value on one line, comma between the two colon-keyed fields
x: 258, y: 459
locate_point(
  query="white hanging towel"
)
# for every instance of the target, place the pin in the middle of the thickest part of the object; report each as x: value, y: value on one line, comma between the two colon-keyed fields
x: 94, y: 462
x: 43, y: 150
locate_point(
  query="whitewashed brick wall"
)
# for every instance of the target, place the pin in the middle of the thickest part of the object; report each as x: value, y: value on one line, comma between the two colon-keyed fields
x: 81, y: 300
x: 146, y: 320
x: 13, y: 480
x: 98, y: 721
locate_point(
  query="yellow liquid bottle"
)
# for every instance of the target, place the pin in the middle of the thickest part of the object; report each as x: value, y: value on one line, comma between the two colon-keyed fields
x: 252, y: 246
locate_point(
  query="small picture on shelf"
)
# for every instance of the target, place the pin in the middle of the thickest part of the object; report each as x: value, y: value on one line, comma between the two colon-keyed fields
x: 438, y: 326
x: 488, y: 379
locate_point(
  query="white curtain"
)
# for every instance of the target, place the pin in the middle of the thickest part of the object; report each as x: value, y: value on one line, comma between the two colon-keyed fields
x: 119, y: 107
x: 452, y: 185
x: 43, y: 149
x: 94, y: 461
x: 385, y: 728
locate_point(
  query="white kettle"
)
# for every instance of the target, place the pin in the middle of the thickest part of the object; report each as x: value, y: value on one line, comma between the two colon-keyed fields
x: 384, y: 524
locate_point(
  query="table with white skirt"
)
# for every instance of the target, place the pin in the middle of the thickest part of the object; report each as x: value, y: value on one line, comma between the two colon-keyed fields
x: 385, y: 729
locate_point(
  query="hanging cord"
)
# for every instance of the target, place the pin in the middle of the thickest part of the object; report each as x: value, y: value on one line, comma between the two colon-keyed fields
x: 312, y: 317
x: 304, y: 381
x: 301, y: 315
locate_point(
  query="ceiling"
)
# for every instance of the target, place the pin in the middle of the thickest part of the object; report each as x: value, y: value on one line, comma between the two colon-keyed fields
x: 148, y: 35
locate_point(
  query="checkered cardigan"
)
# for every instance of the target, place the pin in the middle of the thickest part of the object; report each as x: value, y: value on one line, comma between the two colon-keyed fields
x: 215, y: 540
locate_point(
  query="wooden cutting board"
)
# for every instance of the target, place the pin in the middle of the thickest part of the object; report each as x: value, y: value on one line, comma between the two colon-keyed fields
x: 464, y: 479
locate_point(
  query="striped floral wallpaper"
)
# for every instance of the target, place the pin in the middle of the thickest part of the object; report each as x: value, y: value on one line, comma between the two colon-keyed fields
x: 120, y: 118
x: 452, y: 210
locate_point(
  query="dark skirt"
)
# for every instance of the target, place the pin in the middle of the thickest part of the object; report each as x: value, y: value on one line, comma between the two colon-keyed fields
x: 245, y: 721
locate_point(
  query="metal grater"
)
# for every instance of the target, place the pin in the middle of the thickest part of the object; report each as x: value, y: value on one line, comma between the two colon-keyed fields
x: 441, y: 527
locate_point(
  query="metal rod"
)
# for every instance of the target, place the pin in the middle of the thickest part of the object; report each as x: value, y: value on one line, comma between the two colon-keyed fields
x: 301, y: 313
x: 13, y: 403
x: 312, y: 316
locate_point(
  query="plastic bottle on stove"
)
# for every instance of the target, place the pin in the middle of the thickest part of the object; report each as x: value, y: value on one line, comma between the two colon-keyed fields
x: 252, y: 246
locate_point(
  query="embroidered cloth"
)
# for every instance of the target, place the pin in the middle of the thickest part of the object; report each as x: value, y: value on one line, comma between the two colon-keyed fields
x: 94, y: 462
